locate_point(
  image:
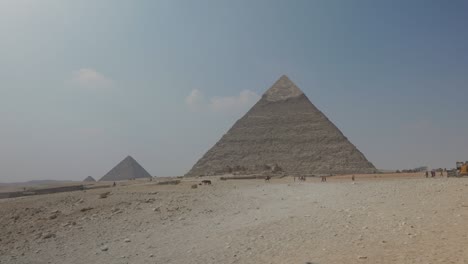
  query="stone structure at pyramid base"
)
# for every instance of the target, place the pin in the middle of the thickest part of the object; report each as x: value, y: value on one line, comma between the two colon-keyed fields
x: 283, y: 130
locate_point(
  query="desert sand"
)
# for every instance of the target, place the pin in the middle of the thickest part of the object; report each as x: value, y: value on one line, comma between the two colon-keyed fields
x: 391, y: 218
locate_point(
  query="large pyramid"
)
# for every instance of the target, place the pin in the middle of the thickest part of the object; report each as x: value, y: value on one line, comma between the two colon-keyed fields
x: 285, y: 129
x: 127, y: 169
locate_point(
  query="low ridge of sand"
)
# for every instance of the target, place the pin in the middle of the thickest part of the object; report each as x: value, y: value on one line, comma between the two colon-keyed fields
x: 398, y: 218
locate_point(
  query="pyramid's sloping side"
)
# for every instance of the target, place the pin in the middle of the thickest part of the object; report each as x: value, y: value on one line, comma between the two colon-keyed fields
x: 292, y: 133
x: 126, y: 170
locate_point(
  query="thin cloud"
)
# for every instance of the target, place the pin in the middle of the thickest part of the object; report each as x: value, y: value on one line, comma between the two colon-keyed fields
x: 91, y: 78
x: 195, y: 98
x: 243, y: 101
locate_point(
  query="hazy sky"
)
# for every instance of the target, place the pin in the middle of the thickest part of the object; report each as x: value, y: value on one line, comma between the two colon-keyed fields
x: 85, y: 83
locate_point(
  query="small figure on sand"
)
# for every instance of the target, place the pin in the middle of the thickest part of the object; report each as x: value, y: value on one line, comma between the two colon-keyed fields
x: 324, y: 178
x: 352, y: 178
x: 427, y: 174
x: 113, y: 185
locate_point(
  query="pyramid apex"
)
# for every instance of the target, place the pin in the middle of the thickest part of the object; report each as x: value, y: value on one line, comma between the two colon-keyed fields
x: 129, y: 158
x: 284, y: 77
x: 282, y: 89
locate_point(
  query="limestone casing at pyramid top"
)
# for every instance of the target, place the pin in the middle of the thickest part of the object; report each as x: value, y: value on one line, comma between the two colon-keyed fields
x: 282, y: 89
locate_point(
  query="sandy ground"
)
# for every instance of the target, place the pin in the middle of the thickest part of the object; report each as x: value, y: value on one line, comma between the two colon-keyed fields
x: 378, y: 219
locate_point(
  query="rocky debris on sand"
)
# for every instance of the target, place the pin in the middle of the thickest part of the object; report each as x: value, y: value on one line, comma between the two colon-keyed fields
x: 54, y: 214
x: 104, y: 248
x: 116, y: 211
x: 71, y: 223
x: 86, y: 209
x: 51, y: 217
x: 104, y: 195
x: 48, y: 235
x: 149, y: 200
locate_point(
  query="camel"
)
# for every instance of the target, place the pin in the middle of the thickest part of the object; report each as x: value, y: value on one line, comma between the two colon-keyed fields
x: 206, y: 182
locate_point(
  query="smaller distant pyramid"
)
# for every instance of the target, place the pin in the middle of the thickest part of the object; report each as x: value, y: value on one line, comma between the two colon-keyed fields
x: 127, y: 169
x: 89, y: 179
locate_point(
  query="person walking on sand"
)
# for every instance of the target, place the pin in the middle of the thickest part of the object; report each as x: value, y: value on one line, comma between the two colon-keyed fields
x: 352, y: 177
x: 427, y: 174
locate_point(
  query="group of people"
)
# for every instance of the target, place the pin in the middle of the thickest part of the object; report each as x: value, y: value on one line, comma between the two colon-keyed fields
x: 323, y: 178
x: 433, y: 173
x: 301, y: 178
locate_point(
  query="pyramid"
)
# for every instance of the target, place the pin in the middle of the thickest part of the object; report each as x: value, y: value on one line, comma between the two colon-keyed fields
x: 127, y: 169
x: 283, y: 129
x: 89, y: 179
